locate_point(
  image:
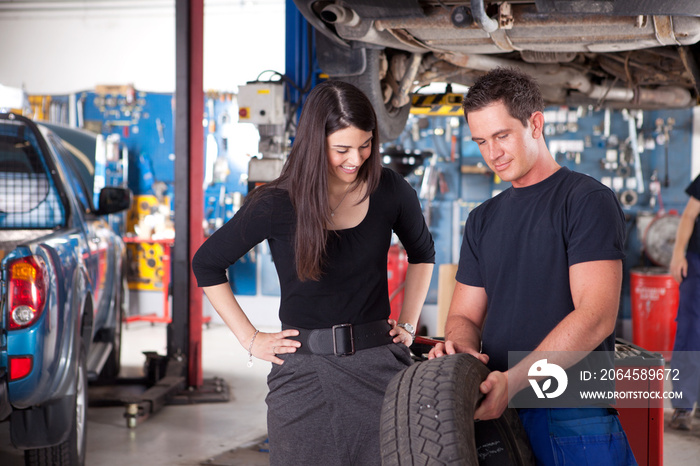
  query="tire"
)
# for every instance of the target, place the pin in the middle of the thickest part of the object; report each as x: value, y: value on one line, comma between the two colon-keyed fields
x: 428, y: 419
x: 391, y: 120
x: 72, y: 451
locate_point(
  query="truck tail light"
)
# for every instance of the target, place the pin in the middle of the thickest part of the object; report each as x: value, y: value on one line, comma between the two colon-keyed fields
x: 27, y: 291
x: 20, y: 366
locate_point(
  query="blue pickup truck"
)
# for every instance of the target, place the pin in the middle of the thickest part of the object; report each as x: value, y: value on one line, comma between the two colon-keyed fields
x: 62, y: 288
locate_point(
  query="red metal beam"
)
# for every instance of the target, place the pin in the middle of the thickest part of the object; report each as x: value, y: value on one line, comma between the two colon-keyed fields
x: 196, y: 172
x: 185, y: 331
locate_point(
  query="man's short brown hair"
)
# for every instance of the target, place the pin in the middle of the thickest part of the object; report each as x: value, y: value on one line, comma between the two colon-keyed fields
x: 518, y: 91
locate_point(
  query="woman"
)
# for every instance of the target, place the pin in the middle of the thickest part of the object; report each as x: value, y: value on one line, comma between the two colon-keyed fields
x: 328, y: 220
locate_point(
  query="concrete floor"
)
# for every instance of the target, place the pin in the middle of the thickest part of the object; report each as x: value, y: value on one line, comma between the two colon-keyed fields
x: 203, y: 433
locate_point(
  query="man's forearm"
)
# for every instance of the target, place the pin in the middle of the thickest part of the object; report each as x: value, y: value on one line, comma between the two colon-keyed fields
x: 463, y: 332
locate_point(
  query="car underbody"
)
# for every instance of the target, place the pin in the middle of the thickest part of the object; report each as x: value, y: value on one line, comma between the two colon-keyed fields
x: 617, y: 53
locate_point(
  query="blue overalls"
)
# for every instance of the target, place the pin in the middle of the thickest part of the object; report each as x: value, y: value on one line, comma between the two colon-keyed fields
x: 684, y: 358
x: 576, y: 437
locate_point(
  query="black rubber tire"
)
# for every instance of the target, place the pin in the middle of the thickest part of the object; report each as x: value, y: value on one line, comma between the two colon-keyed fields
x: 428, y: 419
x: 391, y: 120
x: 72, y: 451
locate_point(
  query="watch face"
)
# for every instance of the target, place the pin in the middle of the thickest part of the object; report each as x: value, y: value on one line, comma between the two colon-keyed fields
x: 409, y: 328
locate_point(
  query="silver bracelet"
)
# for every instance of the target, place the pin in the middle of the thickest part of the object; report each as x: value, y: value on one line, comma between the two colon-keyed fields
x: 250, y: 349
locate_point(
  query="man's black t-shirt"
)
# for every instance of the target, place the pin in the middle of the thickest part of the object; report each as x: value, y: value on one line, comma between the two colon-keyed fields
x: 353, y: 288
x: 519, y: 246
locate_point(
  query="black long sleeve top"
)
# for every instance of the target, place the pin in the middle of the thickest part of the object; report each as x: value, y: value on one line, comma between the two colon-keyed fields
x: 353, y: 287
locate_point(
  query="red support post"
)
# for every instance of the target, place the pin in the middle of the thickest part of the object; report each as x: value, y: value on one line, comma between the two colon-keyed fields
x: 196, y: 173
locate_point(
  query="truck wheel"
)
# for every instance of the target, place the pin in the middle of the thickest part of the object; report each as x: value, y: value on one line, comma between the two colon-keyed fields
x: 428, y: 418
x: 391, y: 120
x: 72, y: 451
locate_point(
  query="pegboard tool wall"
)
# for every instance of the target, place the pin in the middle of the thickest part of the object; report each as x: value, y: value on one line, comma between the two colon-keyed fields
x: 582, y: 139
x: 144, y: 123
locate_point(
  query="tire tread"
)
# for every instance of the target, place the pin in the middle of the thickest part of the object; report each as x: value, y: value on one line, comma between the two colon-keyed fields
x: 427, y: 417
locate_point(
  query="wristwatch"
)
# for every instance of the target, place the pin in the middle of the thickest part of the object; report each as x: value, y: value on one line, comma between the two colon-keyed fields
x: 409, y: 328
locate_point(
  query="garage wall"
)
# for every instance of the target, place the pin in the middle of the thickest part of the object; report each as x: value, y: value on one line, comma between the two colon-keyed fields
x: 60, y: 47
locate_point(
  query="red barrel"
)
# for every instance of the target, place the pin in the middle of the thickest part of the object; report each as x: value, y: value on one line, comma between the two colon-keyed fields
x: 654, y: 296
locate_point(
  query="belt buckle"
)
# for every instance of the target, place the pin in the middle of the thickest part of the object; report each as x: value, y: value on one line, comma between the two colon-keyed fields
x: 343, y: 351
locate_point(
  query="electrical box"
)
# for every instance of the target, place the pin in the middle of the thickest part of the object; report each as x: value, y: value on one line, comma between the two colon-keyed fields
x: 264, y: 170
x: 261, y: 103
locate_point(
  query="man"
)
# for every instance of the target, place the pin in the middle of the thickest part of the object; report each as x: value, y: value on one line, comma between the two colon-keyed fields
x: 540, y: 269
x: 685, y: 269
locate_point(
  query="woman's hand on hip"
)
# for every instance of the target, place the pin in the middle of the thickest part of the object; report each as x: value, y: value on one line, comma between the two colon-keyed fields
x: 268, y: 345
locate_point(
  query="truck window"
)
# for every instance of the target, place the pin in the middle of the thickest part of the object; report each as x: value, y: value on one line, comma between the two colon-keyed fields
x: 28, y: 196
x: 80, y: 180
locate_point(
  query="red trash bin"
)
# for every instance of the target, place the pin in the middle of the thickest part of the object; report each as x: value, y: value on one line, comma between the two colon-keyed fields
x: 654, y: 296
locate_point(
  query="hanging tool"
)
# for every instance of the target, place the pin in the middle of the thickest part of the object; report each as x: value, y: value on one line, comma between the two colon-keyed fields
x: 159, y: 129
x: 664, y: 138
x: 655, y: 190
x: 632, y: 141
x: 429, y: 185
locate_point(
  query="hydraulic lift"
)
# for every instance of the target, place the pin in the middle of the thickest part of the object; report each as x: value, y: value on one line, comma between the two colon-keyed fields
x: 177, y: 376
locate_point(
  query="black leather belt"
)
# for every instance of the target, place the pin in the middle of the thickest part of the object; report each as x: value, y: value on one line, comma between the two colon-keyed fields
x: 342, y: 339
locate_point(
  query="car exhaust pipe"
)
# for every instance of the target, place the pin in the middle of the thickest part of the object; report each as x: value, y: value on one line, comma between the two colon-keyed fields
x: 402, y: 97
x: 336, y: 14
x: 672, y: 96
x: 557, y: 75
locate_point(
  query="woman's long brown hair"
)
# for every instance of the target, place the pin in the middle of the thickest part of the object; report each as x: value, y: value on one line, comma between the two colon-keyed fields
x: 330, y: 107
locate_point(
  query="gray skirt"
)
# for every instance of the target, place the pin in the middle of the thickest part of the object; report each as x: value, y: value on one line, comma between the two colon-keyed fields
x: 324, y: 410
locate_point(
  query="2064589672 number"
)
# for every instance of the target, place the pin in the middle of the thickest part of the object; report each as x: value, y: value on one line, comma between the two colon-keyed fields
x: 639, y: 373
